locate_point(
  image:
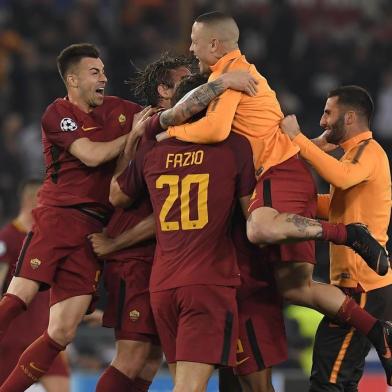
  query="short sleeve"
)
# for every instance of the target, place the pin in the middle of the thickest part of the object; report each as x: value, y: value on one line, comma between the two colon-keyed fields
x: 61, y: 127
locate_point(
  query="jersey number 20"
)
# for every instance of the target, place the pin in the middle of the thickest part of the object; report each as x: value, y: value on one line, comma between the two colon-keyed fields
x: 183, y: 188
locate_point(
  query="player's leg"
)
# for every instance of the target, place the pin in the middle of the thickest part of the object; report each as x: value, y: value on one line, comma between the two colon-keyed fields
x: 20, y: 293
x: 192, y: 376
x: 131, y: 357
x: 134, y: 366
x: 57, y: 378
x: 172, y: 370
x: 228, y: 381
x: 36, y: 360
x: 294, y: 280
x: 338, y: 357
x: 152, y: 364
x: 55, y: 383
x: 260, y: 381
x: 283, y: 207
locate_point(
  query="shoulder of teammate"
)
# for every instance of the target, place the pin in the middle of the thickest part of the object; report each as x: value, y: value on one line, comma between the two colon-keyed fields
x: 131, y: 181
x: 129, y: 106
x: 243, y: 155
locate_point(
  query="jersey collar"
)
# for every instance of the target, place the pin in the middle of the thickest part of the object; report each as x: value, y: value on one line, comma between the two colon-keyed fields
x: 220, y: 64
x: 350, y: 143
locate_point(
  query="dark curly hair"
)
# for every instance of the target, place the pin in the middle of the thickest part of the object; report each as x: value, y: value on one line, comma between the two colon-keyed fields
x: 145, y: 84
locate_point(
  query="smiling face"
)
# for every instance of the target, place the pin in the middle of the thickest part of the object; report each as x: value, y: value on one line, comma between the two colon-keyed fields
x: 333, y: 121
x: 87, y: 80
x: 202, y: 46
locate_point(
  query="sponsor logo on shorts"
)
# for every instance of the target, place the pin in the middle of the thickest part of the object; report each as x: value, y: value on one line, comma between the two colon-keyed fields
x: 238, y: 363
x: 122, y: 119
x: 35, y: 263
x: 134, y: 315
x: 68, y: 125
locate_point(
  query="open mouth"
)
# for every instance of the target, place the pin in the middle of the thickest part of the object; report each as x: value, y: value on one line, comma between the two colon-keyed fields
x: 100, y: 91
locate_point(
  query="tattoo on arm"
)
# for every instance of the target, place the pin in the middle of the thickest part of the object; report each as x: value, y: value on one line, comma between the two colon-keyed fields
x: 194, y: 103
x: 304, y: 225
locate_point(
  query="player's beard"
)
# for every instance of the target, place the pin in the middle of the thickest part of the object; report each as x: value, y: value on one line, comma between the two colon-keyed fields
x: 337, y: 131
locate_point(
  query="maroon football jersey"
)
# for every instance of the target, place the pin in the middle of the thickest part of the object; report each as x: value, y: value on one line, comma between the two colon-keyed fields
x: 11, y: 240
x: 193, y: 189
x: 256, y: 272
x: 68, y: 181
x: 123, y: 220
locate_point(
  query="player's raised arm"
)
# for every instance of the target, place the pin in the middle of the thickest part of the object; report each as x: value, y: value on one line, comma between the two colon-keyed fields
x: 197, y: 100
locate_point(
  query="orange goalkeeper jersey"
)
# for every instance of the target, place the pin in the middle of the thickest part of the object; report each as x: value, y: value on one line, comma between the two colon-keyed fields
x: 360, y: 192
x: 257, y: 118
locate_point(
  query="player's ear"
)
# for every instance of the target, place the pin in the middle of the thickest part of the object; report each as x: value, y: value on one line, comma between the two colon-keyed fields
x: 350, y: 117
x: 214, y: 44
x: 164, y: 91
x: 71, y: 80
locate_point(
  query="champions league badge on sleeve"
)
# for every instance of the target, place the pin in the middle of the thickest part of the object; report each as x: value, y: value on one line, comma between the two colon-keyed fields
x: 68, y: 125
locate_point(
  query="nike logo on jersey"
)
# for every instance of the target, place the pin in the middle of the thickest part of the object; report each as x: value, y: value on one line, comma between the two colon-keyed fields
x: 32, y: 365
x: 88, y: 128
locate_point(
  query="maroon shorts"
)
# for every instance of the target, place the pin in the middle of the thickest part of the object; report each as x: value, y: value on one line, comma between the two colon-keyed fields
x: 197, y: 323
x: 288, y: 187
x: 262, y: 337
x: 58, y: 254
x: 19, y: 337
x: 128, y: 310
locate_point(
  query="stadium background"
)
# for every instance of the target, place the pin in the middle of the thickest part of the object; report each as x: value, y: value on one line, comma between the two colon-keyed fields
x: 303, y: 47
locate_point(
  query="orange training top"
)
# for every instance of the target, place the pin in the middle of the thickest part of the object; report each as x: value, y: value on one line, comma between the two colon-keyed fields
x: 360, y: 192
x: 256, y: 117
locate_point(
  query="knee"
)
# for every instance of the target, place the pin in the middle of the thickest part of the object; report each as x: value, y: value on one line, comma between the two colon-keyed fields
x: 295, y: 296
x: 62, y: 332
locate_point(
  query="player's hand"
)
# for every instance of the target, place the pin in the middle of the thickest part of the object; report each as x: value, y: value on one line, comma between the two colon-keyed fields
x: 139, y: 124
x: 102, y: 244
x: 94, y: 319
x: 289, y: 125
x: 162, y: 136
x: 322, y: 143
x: 240, y: 81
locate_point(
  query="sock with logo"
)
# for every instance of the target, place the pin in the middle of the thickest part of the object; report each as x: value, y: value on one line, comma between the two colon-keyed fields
x: 33, y: 364
x: 141, y: 385
x: 334, y: 232
x: 11, y: 306
x: 351, y: 313
x: 113, y: 380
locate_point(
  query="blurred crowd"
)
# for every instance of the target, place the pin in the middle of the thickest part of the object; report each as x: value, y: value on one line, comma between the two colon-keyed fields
x: 303, y: 47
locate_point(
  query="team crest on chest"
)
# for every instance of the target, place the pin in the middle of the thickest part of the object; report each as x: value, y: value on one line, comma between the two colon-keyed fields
x: 68, y: 125
x: 35, y: 263
x: 134, y: 315
x: 122, y: 119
